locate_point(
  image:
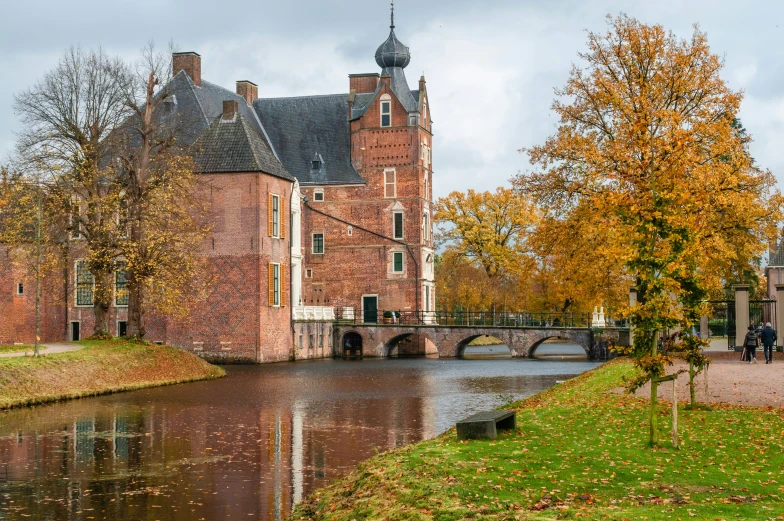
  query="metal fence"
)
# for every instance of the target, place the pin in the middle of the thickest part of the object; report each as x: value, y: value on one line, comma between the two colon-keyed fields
x: 473, y: 318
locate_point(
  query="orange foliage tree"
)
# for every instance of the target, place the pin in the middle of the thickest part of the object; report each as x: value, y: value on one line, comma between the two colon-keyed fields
x: 484, y: 235
x: 648, y: 148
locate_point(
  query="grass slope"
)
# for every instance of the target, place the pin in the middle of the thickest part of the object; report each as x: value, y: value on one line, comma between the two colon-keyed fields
x: 579, y: 452
x: 101, y: 367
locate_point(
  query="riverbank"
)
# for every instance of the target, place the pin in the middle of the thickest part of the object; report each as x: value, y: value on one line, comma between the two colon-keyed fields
x: 101, y: 367
x: 579, y: 452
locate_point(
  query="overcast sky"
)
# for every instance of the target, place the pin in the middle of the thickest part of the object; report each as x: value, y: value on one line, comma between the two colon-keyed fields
x: 491, y: 65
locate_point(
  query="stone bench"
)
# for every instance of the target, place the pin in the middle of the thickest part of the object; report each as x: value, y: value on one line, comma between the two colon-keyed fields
x: 484, y: 424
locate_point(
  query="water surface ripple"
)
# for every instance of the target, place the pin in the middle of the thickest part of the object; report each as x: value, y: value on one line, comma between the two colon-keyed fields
x: 248, y: 446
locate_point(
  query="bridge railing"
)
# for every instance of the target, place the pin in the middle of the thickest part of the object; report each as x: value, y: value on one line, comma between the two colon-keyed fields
x: 472, y: 318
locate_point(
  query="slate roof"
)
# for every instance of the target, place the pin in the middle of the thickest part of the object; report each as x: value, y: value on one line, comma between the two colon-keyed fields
x: 199, y: 106
x: 235, y: 146
x: 300, y: 127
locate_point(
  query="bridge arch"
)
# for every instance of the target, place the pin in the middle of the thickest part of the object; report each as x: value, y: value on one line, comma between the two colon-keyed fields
x: 564, y: 339
x: 409, y: 343
x: 393, y: 346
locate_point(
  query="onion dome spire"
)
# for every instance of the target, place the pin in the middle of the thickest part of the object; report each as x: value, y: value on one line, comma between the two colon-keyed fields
x: 392, y: 53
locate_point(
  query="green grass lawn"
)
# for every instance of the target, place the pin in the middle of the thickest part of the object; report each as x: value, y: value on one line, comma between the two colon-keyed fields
x: 579, y: 452
x: 101, y: 367
x: 16, y: 349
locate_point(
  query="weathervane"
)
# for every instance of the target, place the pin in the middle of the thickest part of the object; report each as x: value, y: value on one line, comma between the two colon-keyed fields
x: 392, y: 16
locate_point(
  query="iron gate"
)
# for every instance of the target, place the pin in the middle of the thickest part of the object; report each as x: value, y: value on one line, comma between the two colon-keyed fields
x: 721, y: 321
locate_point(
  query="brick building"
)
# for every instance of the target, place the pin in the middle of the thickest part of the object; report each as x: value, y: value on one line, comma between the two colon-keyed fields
x: 318, y: 203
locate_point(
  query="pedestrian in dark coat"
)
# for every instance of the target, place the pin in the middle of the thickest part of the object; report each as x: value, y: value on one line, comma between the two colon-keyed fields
x: 768, y: 338
x: 750, y: 343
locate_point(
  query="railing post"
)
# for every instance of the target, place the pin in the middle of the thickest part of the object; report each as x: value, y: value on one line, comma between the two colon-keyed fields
x: 741, y: 311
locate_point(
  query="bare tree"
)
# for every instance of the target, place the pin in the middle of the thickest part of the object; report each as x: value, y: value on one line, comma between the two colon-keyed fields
x: 161, y: 195
x: 68, y: 116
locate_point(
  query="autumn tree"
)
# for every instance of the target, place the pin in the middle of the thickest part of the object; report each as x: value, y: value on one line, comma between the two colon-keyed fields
x: 67, y: 117
x: 646, y: 145
x: 577, y: 267
x: 488, y: 230
x: 162, y: 205
x: 32, y: 230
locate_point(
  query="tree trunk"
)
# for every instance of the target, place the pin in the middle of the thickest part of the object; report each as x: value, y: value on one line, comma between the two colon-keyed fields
x: 102, y: 302
x: 136, y: 326
x: 692, y: 393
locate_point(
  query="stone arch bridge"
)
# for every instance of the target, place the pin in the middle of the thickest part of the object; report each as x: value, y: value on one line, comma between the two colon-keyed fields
x: 450, y: 341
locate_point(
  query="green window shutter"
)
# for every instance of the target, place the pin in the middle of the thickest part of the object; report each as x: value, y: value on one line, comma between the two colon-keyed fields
x: 397, y: 259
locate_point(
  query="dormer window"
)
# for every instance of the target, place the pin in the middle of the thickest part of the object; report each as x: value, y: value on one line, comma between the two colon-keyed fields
x: 317, y: 162
x: 386, y: 111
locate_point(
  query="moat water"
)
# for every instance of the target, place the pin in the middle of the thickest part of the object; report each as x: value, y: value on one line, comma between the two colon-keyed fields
x: 248, y: 446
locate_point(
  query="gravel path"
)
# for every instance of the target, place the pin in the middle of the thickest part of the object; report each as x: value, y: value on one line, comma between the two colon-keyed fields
x: 62, y: 347
x: 730, y: 381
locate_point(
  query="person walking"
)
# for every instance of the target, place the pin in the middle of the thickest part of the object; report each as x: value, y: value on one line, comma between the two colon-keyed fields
x: 750, y: 343
x: 768, y: 338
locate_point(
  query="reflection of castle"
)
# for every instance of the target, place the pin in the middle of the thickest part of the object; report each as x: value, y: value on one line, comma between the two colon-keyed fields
x: 189, y: 455
x: 317, y: 202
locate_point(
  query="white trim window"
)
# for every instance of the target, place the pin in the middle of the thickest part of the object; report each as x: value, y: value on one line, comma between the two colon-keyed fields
x: 121, y: 296
x: 425, y: 226
x: 318, y: 243
x: 275, y: 215
x: 84, y: 283
x: 390, y: 183
x: 20, y: 288
x: 398, y: 262
x: 386, y: 110
x: 397, y: 225
x: 318, y: 195
x: 276, y: 285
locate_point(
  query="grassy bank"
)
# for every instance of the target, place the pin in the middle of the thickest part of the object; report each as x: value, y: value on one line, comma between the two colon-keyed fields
x: 578, y: 452
x: 101, y: 367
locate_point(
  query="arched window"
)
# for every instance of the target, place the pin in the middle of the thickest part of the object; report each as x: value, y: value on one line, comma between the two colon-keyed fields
x: 386, y: 110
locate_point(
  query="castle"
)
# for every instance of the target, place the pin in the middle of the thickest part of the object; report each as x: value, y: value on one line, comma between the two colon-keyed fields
x: 319, y: 205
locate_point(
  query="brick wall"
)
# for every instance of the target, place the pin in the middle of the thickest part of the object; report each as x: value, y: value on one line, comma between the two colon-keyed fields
x: 359, y: 232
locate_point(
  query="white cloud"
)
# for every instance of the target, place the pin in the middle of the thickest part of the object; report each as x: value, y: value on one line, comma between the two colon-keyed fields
x: 491, y: 67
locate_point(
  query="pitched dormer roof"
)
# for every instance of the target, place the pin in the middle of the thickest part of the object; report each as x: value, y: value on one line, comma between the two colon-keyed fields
x: 235, y: 146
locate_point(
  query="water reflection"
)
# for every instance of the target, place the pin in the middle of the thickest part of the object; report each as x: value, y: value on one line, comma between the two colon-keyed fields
x: 245, y: 447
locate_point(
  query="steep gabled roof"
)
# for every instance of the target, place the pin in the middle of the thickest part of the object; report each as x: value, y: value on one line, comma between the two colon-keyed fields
x: 235, y: 146
x: 200, y: 105
x: 300, y: 127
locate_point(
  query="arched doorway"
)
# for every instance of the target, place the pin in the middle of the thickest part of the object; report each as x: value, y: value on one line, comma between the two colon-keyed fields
x: 557, y: 349
x: 352, y: 345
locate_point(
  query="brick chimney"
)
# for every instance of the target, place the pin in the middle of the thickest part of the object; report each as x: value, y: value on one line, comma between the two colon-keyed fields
x: 190, y: 62
x: 363, y: 83
x: 422, y: 83
x: 248, y: 90
x: 229, y: 109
